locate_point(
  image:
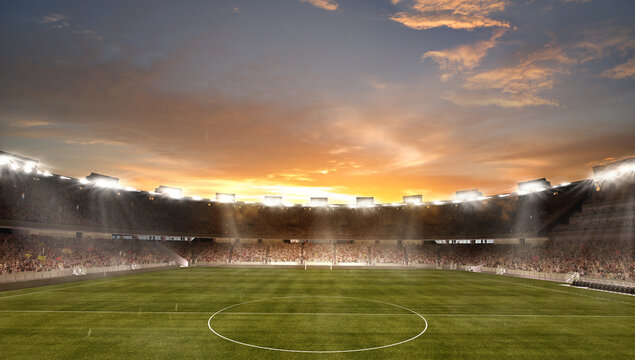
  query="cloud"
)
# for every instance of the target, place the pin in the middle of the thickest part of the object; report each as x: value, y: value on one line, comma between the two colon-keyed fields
x: 604, y: 42
x: 615, y: 43
x: 56, y: 21
x: 518, y: 85
x: 30, y: 123
x: 461, y: 58
x: 454, y: 14
x: 623, y: 71
x: 52, y: 18
x: 330, y: 5
x: 502, y: 100
x: 374, y: 82
x: 532, y: 74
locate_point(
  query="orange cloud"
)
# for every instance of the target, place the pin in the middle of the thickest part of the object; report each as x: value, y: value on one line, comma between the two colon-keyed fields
x: 465, y: 57
x: 505, y: 101
x: 623, y: 71
x: 330, y: 5
x: 454, y: 14
x: 518, y: 85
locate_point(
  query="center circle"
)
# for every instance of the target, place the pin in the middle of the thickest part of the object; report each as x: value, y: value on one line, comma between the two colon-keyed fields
x: 307, y: 298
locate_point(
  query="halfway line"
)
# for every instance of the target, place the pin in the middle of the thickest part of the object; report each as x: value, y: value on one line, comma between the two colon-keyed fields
x: 311, y: 314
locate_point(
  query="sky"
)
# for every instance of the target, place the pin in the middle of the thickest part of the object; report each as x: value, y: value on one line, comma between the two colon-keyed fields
x: 332, y: 98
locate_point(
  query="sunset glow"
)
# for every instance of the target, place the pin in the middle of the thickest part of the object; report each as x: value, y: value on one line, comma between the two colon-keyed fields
x: 320, y: 98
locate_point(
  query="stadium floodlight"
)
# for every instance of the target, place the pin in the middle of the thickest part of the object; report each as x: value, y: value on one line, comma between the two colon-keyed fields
x: 15, y: 162
x: 225, y: 198
x: 103, y: 181
x: 270, y: 200
x: 197, y: 198
x: 83, y: 181
x: 365, y: 201
x: 396, y: 204
x: 468, y: 195
x: 438, y: 202
x: 131, y: 189
x: 170, y: 191
x: 503, y: 195
x: 616, y: 170
x: 532, y: 189
x: 533, y: 186
x: 29, y: 166
x: 64, y: 177
x: 413, y: 199
x: 565, y: 184
x: 319, y: 201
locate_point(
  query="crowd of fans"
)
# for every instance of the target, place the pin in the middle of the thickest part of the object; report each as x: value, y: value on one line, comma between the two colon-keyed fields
x: 387, y: 254
x: 595, y: 258
x: 285, y: 252
x: 249, y: 253
x: 313, y: 252
x: 45, y: 253
x: 352, y: 253
x: 202, y: 250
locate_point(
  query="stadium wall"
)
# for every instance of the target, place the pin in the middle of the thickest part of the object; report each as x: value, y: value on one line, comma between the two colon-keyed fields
x: 33, y: 279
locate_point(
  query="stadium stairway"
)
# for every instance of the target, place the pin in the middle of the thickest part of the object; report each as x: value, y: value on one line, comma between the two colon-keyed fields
x: 599, y: 218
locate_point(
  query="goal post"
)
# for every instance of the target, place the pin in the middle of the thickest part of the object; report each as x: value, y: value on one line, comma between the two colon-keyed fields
x: 318, y: 265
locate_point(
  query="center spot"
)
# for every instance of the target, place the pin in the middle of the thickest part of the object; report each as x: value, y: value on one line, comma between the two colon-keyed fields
x: 317, y: 324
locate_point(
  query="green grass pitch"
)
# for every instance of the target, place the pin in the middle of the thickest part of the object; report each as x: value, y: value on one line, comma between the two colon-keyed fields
x: 165, y: 314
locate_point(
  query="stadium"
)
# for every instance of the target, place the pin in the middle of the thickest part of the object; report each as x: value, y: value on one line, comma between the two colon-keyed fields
x: 317, y: 179
x: 124, y: 266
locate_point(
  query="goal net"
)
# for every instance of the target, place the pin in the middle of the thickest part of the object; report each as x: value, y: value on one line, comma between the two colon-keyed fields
x: 318, y: 265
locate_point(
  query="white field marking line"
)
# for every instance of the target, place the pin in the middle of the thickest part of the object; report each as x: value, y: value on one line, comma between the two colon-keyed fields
x: 59, y: 289
x: 317, y: 351
x: 310, y: 314
x: 104, y: 312
x: 431, y: 314
x: 317, y: 313
x: 533, y: 315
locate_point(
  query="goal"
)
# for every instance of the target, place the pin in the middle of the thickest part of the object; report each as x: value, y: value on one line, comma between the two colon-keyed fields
x: 318, y: 265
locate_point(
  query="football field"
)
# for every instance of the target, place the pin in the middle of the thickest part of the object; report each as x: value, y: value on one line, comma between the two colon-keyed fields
x: 230, y: 313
